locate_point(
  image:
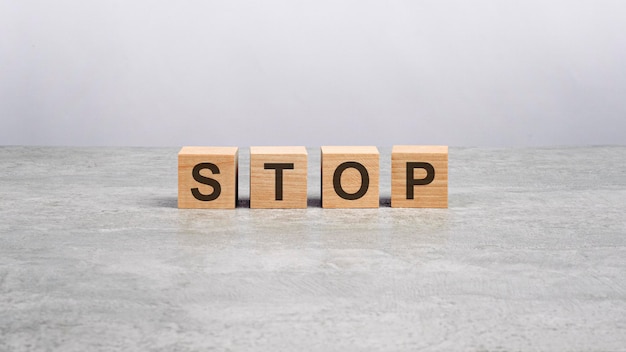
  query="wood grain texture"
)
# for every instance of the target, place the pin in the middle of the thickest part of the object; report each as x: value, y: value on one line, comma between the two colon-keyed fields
x: 226, y: 159
x: 263, y: 187
x: 432, y: 195
x: 351, y: 179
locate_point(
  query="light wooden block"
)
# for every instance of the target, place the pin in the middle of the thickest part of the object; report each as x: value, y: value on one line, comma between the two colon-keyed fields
x: 419, y: 176
x: 278, y: 177
x: 350, y: 177
x: 207, y: 177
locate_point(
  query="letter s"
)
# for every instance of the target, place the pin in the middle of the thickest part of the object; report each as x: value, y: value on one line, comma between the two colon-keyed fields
x: 217, y: 189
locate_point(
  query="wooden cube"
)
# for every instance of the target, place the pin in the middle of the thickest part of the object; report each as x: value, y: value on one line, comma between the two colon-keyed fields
x: 419, y: 176
x: 207, y: 177
x: 350, y: 177
x: 278, y: 177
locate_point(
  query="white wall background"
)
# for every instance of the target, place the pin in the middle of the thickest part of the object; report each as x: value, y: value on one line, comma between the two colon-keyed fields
x: 229, y: 72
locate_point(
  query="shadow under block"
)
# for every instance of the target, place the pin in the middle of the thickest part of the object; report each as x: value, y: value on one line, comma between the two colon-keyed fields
x: 278, y: 177
x: 207, y: 177
x: 419, y: 176
x: 350, y: 177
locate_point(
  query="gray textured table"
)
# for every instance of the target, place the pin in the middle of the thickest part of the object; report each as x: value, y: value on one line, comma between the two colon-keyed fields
x: 94, y: 255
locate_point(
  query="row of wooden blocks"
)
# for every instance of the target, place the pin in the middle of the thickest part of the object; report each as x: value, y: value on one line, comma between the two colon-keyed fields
x: 207, y: 177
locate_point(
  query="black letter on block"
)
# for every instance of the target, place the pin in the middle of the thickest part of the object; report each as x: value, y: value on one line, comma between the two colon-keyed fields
x: 365, y: 180
x: 410, y: 181
x: 217, y: 189
x: 279, y: 167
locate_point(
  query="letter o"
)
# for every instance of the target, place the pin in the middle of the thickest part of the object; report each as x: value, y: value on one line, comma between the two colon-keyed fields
x: 365, y: 180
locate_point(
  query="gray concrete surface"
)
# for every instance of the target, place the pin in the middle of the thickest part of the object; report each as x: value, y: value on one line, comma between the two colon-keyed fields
x: 531, y: 255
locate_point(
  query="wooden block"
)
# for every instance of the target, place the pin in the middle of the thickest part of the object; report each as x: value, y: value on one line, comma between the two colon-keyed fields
x: 350, y: 177
x: 207, y: 177
x: 419, y: 176
x: 278, y: 177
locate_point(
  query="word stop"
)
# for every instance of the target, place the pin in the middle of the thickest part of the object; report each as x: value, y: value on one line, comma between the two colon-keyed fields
x: 207, y: 177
